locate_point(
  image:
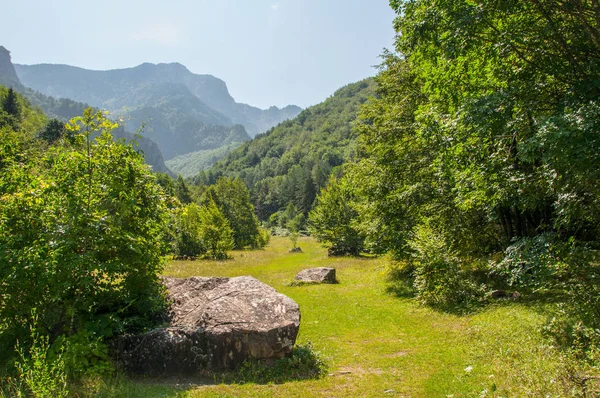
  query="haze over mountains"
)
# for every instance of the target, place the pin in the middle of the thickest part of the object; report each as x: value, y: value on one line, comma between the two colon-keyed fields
x: 65, y: 109
x: 179, y: 113
x: 182, y: 111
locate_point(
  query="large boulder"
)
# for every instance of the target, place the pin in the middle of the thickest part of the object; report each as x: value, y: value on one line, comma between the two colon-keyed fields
x: 216, y: 323
x: 317, y: 275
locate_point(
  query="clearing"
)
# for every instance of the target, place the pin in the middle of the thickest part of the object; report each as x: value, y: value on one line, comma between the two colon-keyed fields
x: 376, y: 343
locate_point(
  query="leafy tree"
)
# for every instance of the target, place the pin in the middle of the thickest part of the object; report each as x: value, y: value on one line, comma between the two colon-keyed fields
x: 233, y: 199
x: 188, y: 241
x: 166, y: 183
x: 331, y: 221
x: 215, y: 232
x: 11, y: 106
x: 54, y: 130
x: 78, y: 241
x: 182, y: 191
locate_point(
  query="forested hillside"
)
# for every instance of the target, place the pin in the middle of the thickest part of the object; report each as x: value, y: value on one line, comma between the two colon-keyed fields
x: 292, y: 162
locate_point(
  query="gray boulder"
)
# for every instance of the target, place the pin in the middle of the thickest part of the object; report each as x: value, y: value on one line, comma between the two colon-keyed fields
x: 317, y: 275
x: 216, y: 324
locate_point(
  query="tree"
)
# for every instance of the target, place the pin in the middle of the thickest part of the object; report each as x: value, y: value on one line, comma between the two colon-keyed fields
x: 233, y: 199
x: 10, y: 104
x: 182, y: 191
x: 188, y: 241
x: 54, y: 130
x: 81, y: 242
x: 215, y: 232
x: 331, y: 220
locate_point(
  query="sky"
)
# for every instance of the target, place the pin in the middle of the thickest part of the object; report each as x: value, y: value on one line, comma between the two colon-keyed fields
x: 269, y: 52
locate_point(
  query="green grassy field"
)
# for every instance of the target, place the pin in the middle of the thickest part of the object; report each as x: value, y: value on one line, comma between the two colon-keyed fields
x: 378, y: 344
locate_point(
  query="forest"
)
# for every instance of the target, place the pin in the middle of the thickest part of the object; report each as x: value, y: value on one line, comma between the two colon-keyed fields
x: 469, y: 165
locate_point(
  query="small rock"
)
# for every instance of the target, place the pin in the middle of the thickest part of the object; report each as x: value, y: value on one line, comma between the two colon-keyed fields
x: 295, y: 250
x: 516, y: 295
x: 317, y: 275
x: 389, y: 392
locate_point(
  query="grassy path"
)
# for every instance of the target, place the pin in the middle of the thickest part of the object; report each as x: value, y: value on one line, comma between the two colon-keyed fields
x: 379, y: 345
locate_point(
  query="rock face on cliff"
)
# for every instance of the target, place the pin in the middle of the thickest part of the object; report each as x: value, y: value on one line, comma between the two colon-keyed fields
x: 8, y: 75
x: 216, y: 324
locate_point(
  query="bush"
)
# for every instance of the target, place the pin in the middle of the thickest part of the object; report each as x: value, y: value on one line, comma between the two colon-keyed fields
x: 215, y: 233
x: 438, y: 278
x: 187, y: 240
x: 80, y: 229
x: 529, y: 262
x: 303, y: 363
x: 42, y: 373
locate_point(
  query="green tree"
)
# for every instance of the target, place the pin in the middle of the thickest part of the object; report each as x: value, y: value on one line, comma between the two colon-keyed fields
x: 188, y: 241
x: 215, y: 232
x: 332, y: 219
x: 10, y: 105
x: 182, y: 191
x: 78, y: 241
x: 233, y: 199
x: 54, y: 130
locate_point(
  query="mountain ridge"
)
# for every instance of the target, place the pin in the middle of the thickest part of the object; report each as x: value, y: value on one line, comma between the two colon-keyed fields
x: 99, y: 87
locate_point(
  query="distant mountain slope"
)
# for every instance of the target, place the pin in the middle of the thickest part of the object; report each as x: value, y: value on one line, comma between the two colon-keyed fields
x: 192, y: 163
x: 109, y: 89
x: 292, y: 162
x: 66, y: 109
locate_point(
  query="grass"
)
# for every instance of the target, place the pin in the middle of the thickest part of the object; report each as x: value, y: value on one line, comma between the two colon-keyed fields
x: 378, y: 344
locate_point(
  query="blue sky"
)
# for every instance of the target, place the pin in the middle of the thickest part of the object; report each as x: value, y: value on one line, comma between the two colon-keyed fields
x: 270, y: 52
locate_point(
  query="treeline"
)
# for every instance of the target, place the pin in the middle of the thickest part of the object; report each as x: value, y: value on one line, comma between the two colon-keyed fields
x: 85, y: 227
x: 478, y: 164
x: 291, y: 162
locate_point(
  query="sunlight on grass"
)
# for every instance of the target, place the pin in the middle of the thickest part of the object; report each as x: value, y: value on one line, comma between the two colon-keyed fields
x: 374, y: 342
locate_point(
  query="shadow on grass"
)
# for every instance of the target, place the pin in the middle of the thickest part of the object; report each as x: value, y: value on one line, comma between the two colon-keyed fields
x: 304, y: 363
x: 401, y: 286
x: 311, y: 283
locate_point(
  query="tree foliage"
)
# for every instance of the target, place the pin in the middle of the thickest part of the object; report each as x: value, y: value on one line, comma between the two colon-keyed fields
x: 79, y: 233
x: 333, y: 219
x: 482, y: 146
x: 215, y: 232
x: 233, y: 199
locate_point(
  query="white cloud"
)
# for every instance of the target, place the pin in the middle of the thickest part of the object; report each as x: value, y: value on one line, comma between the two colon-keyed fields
x: 275, y: 6
x: 163, y: 33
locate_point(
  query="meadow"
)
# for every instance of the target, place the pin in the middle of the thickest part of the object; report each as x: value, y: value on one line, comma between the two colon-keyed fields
x: 377, y: 342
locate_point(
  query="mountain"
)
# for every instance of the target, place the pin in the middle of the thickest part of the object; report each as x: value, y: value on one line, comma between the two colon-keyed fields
x: 116, y: 88
x: 190, y: 164
x: 65, y: 109
x: 292, y: 162
x: 8, y: 75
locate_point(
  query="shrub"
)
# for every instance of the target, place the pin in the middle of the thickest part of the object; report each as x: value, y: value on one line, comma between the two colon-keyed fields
x: 303, y: 363
x: 188, y: 241
x: 215, y: 233
x: 438, y: 278
x: 79, y: 235
x: 529, y: 262
x: 43, y: 374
